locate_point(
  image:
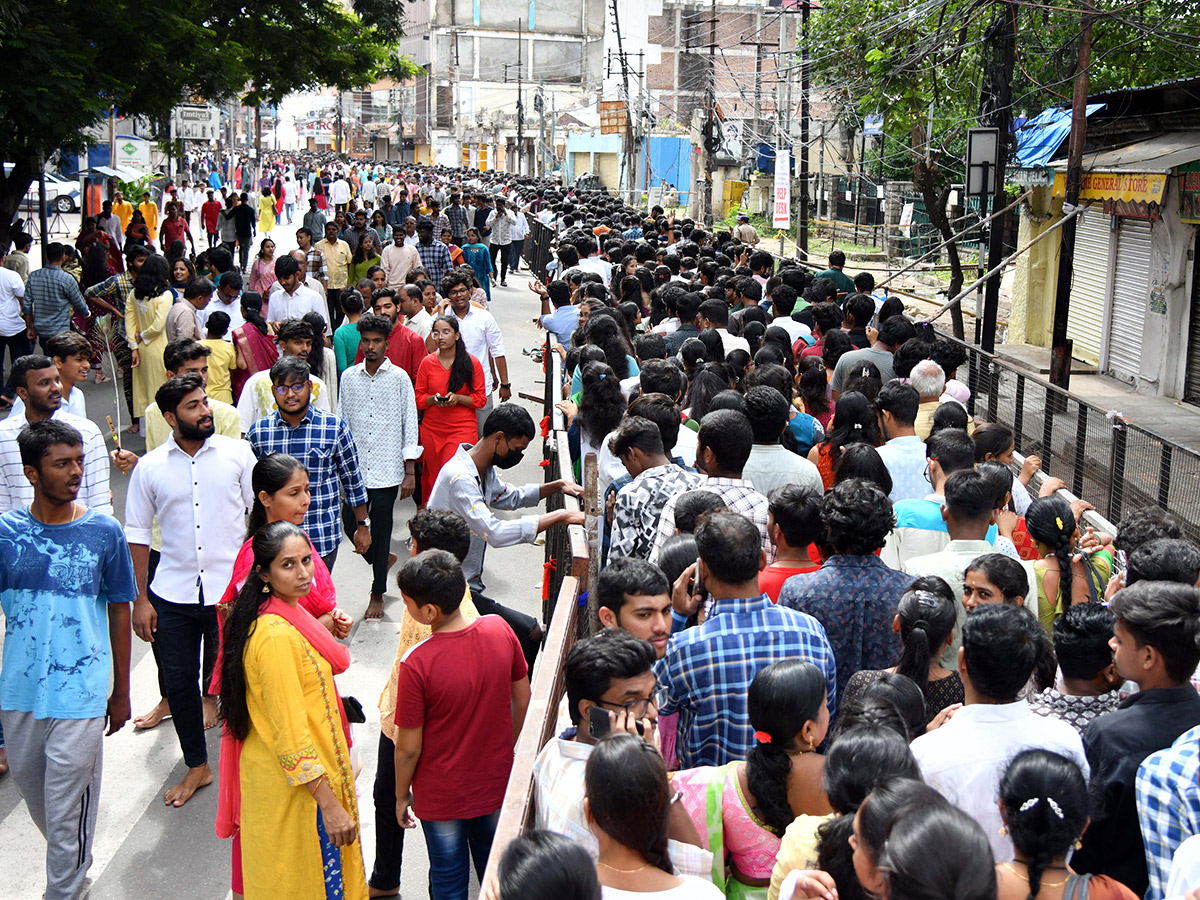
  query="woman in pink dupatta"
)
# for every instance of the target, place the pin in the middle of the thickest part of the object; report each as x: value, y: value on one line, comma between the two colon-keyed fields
x: 281, y: 494
x: 255, y: 348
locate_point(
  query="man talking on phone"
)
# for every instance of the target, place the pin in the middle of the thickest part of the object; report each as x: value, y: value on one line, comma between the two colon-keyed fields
x: 610, y: 687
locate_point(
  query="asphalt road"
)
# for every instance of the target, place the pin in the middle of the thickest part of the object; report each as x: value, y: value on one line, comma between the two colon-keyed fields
x: 145, y: 849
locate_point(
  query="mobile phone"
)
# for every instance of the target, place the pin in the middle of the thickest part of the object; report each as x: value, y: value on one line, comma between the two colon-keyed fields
x: 599, y: 724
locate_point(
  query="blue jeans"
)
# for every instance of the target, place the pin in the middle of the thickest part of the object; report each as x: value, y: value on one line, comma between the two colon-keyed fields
x: 448, y: 844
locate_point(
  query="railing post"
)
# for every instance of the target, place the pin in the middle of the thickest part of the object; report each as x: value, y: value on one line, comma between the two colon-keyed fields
x: 1080, y: 450
x: 1116, y: 465
x: 1019, y: 417
x: 1048, y: 426
x: 1164, y: 475
x: 993, y: 373
x: 591, y: 507
x: 973, y: 363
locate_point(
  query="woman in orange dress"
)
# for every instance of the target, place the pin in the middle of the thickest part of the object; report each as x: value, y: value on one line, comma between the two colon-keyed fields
x: 449, y: 390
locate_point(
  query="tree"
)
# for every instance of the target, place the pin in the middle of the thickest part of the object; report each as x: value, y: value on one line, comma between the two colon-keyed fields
x: 65, y: 69
x: 932, y: 63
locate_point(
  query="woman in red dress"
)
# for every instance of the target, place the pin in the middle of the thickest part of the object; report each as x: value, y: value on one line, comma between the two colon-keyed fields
x: 449, y: 389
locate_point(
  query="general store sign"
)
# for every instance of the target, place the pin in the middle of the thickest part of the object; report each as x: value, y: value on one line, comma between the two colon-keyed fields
x: 1138, y: 187
x: 1189, y: 193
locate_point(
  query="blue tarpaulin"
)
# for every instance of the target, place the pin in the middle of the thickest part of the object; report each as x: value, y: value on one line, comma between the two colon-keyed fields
x: 1039, y: 138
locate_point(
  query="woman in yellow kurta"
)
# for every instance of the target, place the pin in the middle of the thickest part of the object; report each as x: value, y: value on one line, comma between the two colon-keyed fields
x: 146, y: 329
x: 287, y: 785
x: 266, y: 213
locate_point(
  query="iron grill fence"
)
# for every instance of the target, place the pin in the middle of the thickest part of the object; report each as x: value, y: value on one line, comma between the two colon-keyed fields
x: 538, y: 250
x: 1100, y: 455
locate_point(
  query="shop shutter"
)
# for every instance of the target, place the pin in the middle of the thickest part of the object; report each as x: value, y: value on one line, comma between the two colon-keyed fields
x: 1131, y: 287
x: 608, y: 167
x: 1089, y: 284
x: 1191, y: 391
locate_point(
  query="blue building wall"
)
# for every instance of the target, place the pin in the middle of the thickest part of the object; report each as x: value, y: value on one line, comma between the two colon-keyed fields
x: 671, y: 161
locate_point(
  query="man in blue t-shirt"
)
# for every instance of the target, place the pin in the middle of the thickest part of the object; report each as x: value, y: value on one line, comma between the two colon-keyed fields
x: 66, y: 582
x: 563, y: 321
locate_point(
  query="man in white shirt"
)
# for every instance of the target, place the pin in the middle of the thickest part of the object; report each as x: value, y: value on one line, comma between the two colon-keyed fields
x: 368, y: 192
x: 197, y: 485
x: 293, y: 299
x: 481, y: 336
x: 965, y: 758
x: 771, y: 465
x: 904, y: 452
x: 592, y: 261
x: 416, y: 316
x: 398, y: 259
x: 339, y: 194
x: 294, y: 338
x: 227, y: 299
x: 379, y: 406
x: 39, y: 387
x: 410, y: 232
x: 714, y: 315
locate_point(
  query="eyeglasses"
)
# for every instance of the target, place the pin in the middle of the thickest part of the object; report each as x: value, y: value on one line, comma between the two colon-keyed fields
x: 635, y: 708
x: 284, y: 389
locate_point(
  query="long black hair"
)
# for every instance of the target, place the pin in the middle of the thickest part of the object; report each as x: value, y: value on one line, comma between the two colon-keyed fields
x: 462, y: 373
x: 542, y: 865
x: 629, y: 797
x: 153, y: 280
x: 252, y: 304
x: 783, y: 697
x: 861, y: 758
x: 853, y: 420
x: 604, y: 332
x: 241, y: 622
x: 814, y: 385
x: 316, y: 356
x: 270, y: 474
x: 927, y: 615
x: 602, y: 404
x: 1050, y: 520
x: 1044, y: 799
x: 962, y: 867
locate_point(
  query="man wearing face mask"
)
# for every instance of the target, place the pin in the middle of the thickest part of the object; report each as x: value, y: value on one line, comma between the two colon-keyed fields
x: 469, y: 485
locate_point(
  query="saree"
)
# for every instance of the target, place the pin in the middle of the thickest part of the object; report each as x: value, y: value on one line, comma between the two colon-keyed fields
x: 258, y: 351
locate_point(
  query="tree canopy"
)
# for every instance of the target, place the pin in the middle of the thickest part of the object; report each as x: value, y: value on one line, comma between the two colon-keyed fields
x: 67, y: 62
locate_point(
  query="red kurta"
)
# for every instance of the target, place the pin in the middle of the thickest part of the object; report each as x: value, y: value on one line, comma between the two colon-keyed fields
x: 444, y: 428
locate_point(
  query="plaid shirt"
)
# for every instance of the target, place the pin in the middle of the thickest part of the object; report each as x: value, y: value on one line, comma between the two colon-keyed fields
x: 323, y: 443
x: 50, y: 294
x: 114, y: 290
x: 707, y: 671
x: 740, y: 496
x: 316, y: 265
x: 435, y: 257
x: 457, y: 217
x: 1168, y: 804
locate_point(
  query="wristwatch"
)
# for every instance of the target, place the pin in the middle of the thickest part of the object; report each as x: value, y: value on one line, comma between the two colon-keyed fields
x: 364, y: 523
x: 506, y: 386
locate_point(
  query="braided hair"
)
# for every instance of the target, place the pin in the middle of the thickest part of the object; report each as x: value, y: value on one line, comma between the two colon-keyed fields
x: 1051, y: 522
x: 927, y: 616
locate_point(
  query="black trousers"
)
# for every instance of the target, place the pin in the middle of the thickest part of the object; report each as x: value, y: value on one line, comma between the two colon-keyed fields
x: 381, y: 510
x: 389, y: 836
x: 17, y: 346
x: 521, y: 624
x: 333, y: 298
x: 500, y: 260
x: 182, y: 628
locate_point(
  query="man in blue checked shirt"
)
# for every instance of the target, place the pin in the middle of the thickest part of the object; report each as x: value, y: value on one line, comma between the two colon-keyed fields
x: 707, y: 671
x: 323, y: 443
x: 50, y: 296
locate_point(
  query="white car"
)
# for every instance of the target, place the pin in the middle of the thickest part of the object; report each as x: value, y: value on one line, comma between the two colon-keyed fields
x: 61, y: 195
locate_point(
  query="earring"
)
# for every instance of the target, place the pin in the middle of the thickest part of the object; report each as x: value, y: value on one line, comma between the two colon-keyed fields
x: 266, y: 588
x: 1078, y: 843
x: 1003, y: 831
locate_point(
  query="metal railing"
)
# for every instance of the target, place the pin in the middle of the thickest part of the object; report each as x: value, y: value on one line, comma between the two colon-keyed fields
x: 538, y: 248
x: 1099, y: 454
x: 567, y: 566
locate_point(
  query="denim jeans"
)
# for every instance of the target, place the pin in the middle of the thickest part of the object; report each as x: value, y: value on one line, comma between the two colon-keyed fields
x: 451, y: 845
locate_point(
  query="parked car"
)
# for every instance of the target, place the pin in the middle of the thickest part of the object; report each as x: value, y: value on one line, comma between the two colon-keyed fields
x: 62, y: 194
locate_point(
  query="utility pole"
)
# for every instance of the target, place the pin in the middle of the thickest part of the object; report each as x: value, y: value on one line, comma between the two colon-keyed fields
x: 341, y: 137
x: 624, y: 63
x: 1006, y: 43
x: 710, y: 136
x: 802, y: 224
x: 520, y: 109
x: 1060, y: 346
x: 539, y: 106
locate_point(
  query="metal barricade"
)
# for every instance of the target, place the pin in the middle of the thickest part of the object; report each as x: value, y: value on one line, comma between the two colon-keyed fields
x: 538, y: 248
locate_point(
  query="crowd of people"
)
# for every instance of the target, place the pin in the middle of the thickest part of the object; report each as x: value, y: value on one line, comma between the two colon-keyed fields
x: 847, y: 647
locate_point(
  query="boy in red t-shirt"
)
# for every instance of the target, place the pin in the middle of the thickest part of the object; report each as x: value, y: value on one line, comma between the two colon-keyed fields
x: 794, y: 524
x: 460, y: 703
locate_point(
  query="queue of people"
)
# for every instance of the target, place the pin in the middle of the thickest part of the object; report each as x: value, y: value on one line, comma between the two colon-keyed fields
x: 847, y: 648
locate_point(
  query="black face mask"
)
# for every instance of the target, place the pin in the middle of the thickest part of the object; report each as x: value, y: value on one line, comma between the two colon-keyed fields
x: 508, y: 460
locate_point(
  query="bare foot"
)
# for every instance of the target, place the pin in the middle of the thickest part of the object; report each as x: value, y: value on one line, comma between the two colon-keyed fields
x: 382, y: 892
x: 3, y: 760
x: 196, y: 778
x: 210, y: 712
x: 152, y: 718
x: 133, y: 429
x: 375, y: 607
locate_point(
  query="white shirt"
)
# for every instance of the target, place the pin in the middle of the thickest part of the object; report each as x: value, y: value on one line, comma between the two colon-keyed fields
x: 369, y: 191
x: 283, y: 305
x: 411, y: 240
x: 12, y: 291
x: 601, y: 267
x: 905, y: 461
x: 233, y: 310
x: 74, y: 403
x: 15, y: 489
x: 205, y: 496
x: 188, y: 198
x: 965, y: 758
x: 421, y: 323
x: 773, y: 465
x: 795, y: 330
x: 381, y: 411
x: 732, y: 342
x: 258, y: 399
x: 339, y: 191
x: 481, y: 336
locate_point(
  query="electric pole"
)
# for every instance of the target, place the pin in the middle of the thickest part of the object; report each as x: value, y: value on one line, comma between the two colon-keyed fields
x: 710, y: 130
x: 520, y: 109
x: 802, y: 223
x: 1060, y: 347
x: 1005, y: 42
x: 624, y: 63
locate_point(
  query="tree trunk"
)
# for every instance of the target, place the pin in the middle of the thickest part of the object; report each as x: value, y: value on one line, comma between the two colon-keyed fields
x: 13, y: 187
x: 935, y: 205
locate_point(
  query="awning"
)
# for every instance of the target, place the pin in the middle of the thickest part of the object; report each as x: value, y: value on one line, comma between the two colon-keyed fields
x: 1041, y: 136
x: 106, y: 170
x: 1136, y: 173
x: 127, y: 174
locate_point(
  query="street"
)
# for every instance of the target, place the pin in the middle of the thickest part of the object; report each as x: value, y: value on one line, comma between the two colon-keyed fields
x: 145, y: 849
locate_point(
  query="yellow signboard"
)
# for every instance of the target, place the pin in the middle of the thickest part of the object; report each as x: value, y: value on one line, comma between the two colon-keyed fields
x: 1128, y: 186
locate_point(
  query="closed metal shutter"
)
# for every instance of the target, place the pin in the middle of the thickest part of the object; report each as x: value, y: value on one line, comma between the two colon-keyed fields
x: 608, y: 167
x: 1131, y: 288
x: 1191, y: 391
x: 1090, y: 284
